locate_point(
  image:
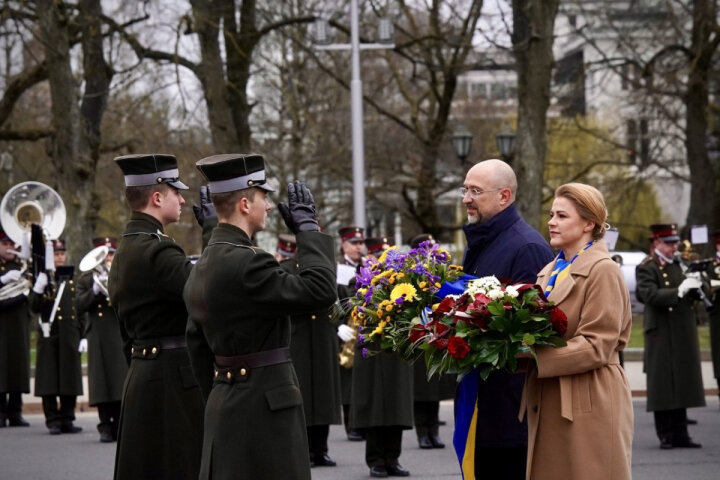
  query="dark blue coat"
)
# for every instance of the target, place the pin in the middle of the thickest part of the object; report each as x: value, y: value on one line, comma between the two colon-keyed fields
x: 507, y: 247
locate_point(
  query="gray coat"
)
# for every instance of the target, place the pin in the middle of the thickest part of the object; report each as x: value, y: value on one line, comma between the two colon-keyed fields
x: 672, y: 353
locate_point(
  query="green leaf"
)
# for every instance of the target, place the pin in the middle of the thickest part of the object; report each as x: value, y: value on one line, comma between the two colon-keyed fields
x: 529, y: 339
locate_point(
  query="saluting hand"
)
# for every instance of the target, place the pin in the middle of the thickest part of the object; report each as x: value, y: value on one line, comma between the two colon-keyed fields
x: 299, y: 212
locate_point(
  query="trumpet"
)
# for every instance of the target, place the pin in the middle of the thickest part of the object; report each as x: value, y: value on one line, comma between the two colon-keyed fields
x: 94, y: 261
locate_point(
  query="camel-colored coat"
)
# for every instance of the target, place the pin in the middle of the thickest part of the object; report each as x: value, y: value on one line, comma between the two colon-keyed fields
x: 578, y: 402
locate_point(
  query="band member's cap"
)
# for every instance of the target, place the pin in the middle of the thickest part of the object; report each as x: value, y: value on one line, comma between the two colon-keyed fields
x: 351, y: 234
x: 3, y: 236
x: 150, y: 169
x: 286, y: 245
x: 234, y: 171
x: 377, y: 245
x: 667, y: 232
x: 418, y: 239
x: 110, y: 242
x: 58, y: 245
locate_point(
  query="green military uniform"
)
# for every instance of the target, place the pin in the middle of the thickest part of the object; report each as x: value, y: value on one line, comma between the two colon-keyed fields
x: 672, y: 354
x: 161, y: 423
x: 239, y: 300
x: 57, y: 370
x: 14, y: 351
x: 107, y: 365
x: 314, y: 350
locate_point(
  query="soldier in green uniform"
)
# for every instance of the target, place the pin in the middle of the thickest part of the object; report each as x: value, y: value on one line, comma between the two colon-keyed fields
x: 672, y: 353
x: 57, y: 370
x: 161, y: 419
x: 107, y: 366
x: 239, y: 300
x: 314, y: 350
x: 382, y: 401
x: 14, y: 340
x: 714, y: 313
x: 352, y: 248
x: 428, y: 393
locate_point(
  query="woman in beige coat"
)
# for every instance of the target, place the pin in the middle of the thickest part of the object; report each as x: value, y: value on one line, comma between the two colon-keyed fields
x: 577, y: 398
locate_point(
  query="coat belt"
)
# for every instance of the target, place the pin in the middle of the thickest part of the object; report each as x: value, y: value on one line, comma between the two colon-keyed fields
x: 149, y: 348
x: 566, y: 399
x: 229, y: 366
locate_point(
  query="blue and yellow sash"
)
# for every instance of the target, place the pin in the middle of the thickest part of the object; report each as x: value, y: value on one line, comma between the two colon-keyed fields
x: 561, y: 269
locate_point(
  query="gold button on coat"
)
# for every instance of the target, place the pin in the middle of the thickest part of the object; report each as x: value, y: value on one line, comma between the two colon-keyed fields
x: 243, y: 372
x: 229, y: 375
x: 144, y: 351
x: 154, y: 350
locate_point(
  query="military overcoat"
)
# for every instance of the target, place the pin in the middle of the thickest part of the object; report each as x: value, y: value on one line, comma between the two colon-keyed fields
x: 382, y: 391
x: 714, y: 314
x: 107, y: 366
x: 672, y: 353
x: 437, y: 388
x: 57, y: 366
x: 161, y: 422
x: 239, y: 301
x: 14, y: 339
x: 346, y: 372
x: 314, y: 352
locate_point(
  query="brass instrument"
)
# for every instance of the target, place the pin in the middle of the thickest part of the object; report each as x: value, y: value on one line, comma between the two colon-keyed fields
x: 95, y: 261
x: 23, y: 205
x: 346, y: 355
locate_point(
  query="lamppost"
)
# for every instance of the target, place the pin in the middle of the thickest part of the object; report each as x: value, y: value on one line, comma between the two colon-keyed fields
x: 385, y: 37
x: 462, y: 143
x: 505, y: 139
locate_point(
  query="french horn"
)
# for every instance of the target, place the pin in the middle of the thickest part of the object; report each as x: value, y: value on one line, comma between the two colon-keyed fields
x: 23, y: 205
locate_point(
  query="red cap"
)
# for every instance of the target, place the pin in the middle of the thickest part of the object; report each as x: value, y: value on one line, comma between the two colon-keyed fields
x: 376, y: 245
x: 352, y: 234
x: 286, y: 245
x: 58, y: 245
x: 667, y: 232
x: 110, y: 242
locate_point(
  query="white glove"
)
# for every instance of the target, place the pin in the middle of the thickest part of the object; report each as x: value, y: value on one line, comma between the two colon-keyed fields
x: 45, y: 329
x: 345, y: 333
x: 40, y: 283
x: 82, y: 346
x: 687, y: 285
x: 103, y: 277
x: 11, y: 276
x: 96, y: 288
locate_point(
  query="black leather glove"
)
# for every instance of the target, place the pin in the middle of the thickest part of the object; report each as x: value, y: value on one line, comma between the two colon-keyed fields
x: 206, y: 210
x: 299, y: 213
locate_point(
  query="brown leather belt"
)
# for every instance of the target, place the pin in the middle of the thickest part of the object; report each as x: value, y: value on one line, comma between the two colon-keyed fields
x: 239, y: 366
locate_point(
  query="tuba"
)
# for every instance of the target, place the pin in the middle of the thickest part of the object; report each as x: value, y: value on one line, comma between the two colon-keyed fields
x: 24, y: 205
x: 94, y: 261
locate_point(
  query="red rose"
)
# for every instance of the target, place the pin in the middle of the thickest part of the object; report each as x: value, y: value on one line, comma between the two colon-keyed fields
x: 417, y: 332
x: 458, y: 348
x: 439, y: 343
x: 559, y: 321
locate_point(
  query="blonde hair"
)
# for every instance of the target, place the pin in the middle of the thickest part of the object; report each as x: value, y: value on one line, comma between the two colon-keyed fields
x: 590, y: 205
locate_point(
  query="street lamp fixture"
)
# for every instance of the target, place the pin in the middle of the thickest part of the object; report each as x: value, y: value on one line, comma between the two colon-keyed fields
x: 462, y: 143
x: 505, y: 139
x: 356, y: 113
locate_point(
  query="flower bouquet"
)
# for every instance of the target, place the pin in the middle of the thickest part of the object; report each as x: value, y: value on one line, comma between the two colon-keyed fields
x: 393, y: 293
x: 486, y: 326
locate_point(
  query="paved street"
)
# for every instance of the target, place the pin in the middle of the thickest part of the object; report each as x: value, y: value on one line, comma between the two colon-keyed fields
x: 32, y: 454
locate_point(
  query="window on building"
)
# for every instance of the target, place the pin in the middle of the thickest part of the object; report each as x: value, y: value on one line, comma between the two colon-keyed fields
x: 498, y: 91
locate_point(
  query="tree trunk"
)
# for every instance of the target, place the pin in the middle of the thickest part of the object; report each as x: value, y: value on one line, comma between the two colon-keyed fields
x: 532, y: 38
x: 702, y: 192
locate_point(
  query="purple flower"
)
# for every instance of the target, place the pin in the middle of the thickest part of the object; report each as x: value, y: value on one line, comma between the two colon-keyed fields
x: 363, y: 277
x: 364, y: 352
x: 361, y: 338
x: 399, y: 300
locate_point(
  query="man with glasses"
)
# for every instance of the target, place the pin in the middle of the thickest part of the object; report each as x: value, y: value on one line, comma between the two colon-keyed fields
x: 500, y: 243
x: 672, y: 354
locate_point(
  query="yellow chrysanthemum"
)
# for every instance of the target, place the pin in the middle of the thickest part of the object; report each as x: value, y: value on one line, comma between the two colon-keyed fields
x: 384, y: 254
x: 403, y: 289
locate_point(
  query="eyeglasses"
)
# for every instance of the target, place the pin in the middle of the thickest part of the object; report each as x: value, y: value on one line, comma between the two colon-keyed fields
x: 475, y: 192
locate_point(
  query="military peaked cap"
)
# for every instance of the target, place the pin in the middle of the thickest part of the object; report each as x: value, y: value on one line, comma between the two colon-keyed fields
x: 234, y: 171
x: 286, y: 245
x: 150, y: 169
x: 667, y: 232
x: 3, y: 236
x: 58, y: 245
x: 418, y: 239
x: 110, y: 242
x: 376, y: 245
x: 351, y: 234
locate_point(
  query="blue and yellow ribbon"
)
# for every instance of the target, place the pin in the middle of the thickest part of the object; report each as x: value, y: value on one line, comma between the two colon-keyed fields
x: 466, y: 412
x: 561, y: 269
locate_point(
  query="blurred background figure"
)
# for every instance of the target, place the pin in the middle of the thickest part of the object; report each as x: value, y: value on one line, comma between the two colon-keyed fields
x: 107, y: 366
x: 314, y: 353
x: 375, y: 246
x: 714, y: 312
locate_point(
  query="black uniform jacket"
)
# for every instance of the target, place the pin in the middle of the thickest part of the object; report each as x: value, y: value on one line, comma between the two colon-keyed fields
x: 107, y: 366
x: 672, y: 353
x: 14, y: 339
x: 161, y: 422
x: 57, y: 370
x: 239, y: 301
x: 314, y: 351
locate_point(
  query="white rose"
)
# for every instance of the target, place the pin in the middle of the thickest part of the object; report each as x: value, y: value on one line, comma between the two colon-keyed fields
x: 495, y: 294
x: 511, y: 291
